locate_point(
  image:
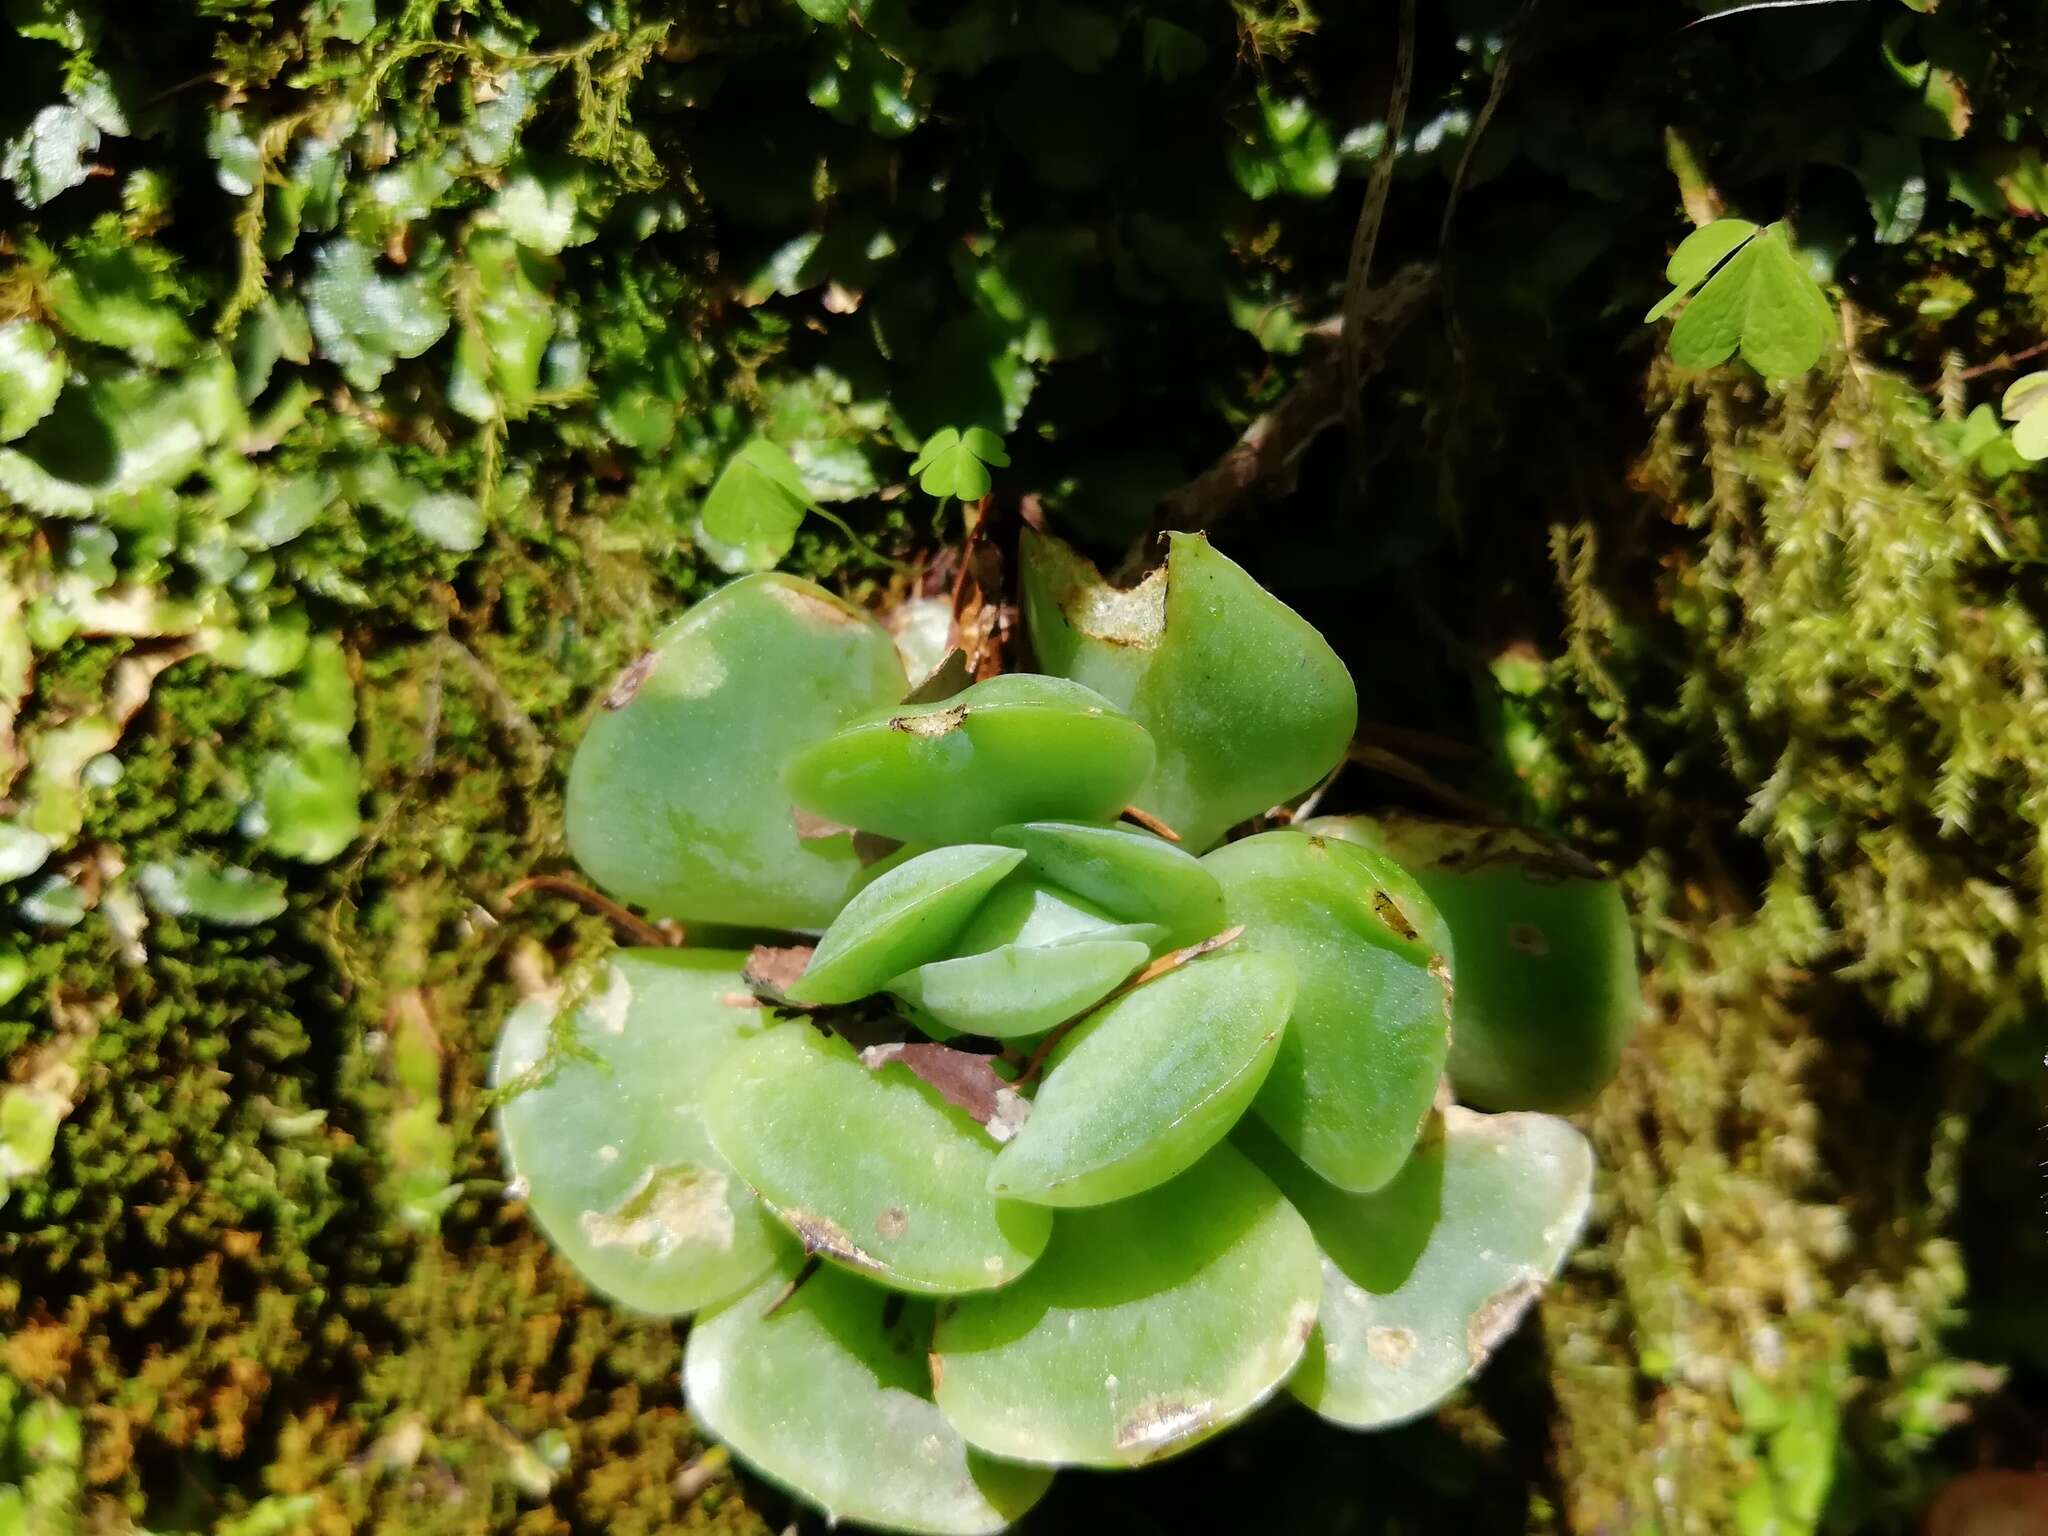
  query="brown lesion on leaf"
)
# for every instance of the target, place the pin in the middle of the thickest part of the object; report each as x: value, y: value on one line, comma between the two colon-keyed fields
x: 774, y: 969
x: 621, y: 692
x: 937, y: 722
x: 822, y: 1235
x: 1529, y: 939
x: 892, y: 1223
x: 1440, y: 968
x: 1388, y: 911
x: 1495, y: 1318
x: 937, y: 1362
x: 810, y: 829
x: 818, y: 609
x: 1391, y: 1347
x: 1162, y: 1423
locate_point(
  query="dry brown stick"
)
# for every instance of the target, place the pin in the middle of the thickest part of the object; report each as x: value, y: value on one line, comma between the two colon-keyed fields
x: 2003, y: 361
x: 1358, y: 274
x: 1394, y: 765
x: 1271, y: 446
x: 561, y: 885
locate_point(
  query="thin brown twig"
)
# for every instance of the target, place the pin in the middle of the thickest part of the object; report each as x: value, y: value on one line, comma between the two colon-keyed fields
x: 1394, y: 765
x: 561, y: 885
x: 1364, y: 237
x: 1150, y: 823
x: 2003, y: 361
x: 1167, y: 962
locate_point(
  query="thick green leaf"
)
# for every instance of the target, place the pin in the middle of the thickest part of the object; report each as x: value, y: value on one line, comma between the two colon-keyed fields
x: 31, y: 376
x: 1245, y: 702
x: 1026, y: 911
x: 955, y: 463
x: 871, y: 1169
x: 604, y: 1126
x: 1149, y: 1325
x: 674, y: 799
x: 1365, y: 1046
x: 1015, y: 748
x: 902, y: 919
x: 1127, y: 872
x: 1546, y: 976
x: 1144, y: 1086
x: 755, y: 505
x: 1422, y: 1279
x: 829, y: 1396
x: 1019, y: 989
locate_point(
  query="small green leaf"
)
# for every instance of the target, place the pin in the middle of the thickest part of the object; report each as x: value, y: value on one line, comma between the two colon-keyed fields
x: 1762, y: 302
x: 364, y: 320
x: 2026, y: 405
x: 189, y: 886
x: 956, y: 463
x: 1698, y: 254
x: 31, y: 376
x: 755, y: 505
x: 905, y: 919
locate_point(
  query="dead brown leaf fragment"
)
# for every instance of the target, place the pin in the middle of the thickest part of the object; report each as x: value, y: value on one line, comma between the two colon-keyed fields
x: 620, y: 694
x: 774, y: 968
x: 966, y: 1081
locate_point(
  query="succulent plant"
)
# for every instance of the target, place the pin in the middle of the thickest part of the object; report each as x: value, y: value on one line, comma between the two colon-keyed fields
x: 1071, y: 1139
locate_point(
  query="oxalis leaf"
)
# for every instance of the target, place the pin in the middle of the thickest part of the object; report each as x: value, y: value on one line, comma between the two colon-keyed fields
x: 755, y: 506
x: 1754, y: 297
x: 2026, y: 407
x: 956, y: 463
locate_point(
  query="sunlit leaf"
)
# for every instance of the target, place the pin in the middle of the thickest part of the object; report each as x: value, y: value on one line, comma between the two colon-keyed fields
x: 872, y: 1170
x: 604, y: 1126
x: 829, y: 1396
x: 904, y: 918
x: 955, y: 463
x: 31, y: 376
x: 1148, y: 1325
x: 755, y: 505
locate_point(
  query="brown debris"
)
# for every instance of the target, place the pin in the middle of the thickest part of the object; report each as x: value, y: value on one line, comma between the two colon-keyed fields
x: 1150, y: 823
x: 774, y: 968
x: 966, y: 1081
x: 620, y: 694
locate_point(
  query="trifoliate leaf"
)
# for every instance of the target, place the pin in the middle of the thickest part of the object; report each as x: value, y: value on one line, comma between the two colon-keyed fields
x: 1695, y: 259
x: 955, y: 463
x: 31, y: 376
x: 756, y: 504
x: 364, y: 320
x: 188, y: 886
x: 1762, y: 302
x: 2026, y: 406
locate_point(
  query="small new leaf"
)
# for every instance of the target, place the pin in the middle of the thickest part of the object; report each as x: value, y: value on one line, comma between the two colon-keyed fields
x: 756, y: 504
x: 956, y: 463
x: 1759, y: 300
x: 2026, y: 407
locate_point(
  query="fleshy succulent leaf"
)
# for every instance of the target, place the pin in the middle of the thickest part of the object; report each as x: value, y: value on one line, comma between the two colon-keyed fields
x: 872, y: 1170
x: 902, y: 919
x: 605, y: 1128
x: 1014, y: 748
x: 1365, y: 1045
x: 1424, y: 1277
x: 1246, y: 704
x: 1128, y: 872
x: 1149, y: 1325
x: 827, y: 1394
x: 674, y: 797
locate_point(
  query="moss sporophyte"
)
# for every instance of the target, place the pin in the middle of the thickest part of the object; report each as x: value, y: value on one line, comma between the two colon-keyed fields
x: 1060, y: 1127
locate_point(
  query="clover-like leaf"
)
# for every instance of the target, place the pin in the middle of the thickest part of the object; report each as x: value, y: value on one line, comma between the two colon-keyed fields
x: 755, y: 505
x: 1244, y: 701
x: 1759, y: 301
x: 2026, y: 406
x: 827, y: 1394
x: 1695, y: 259
x: 955, y: 463
x: 603, y: 1120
